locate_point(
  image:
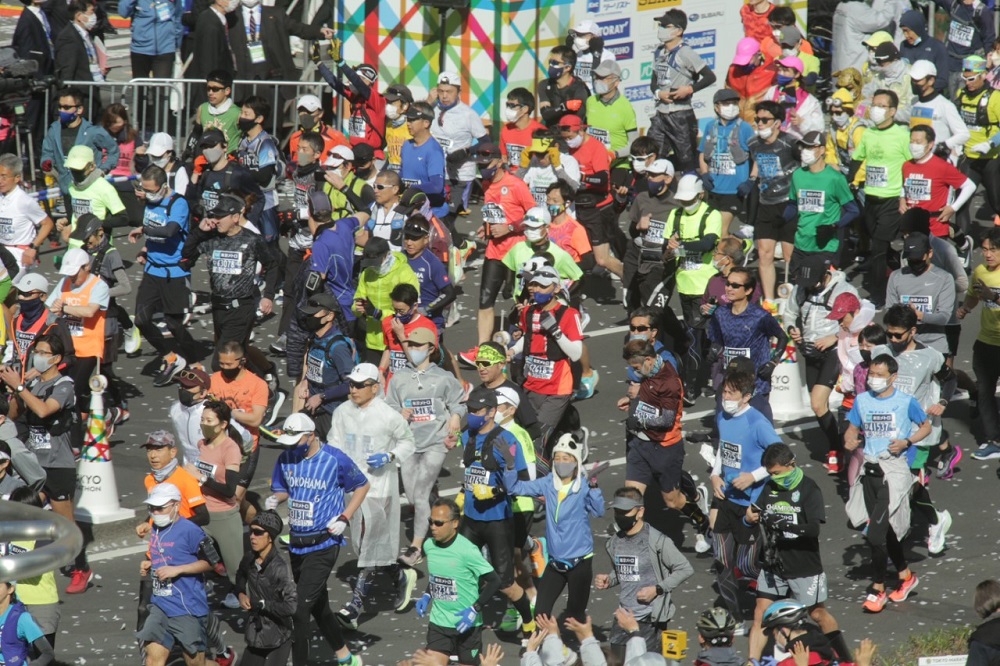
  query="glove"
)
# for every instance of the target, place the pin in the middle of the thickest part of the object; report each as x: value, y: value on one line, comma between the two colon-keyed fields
x: 554, y: 157
x: 271, y: 503
x: 825, y: 233
x: 337, y: 525
x: 765, y: 371
x: 982, y: 148
x: 634, y: 424
x: 47, y: 166
x: 423, y: 604
x: 708, y: 181
x: 200, y: 163
x: 744, y: 189
x: 314, y: 54
x: 378, y: 460
x: 481, y: 491
x: 457, y: 157
x: 550, y: 325
x: 791, y: 212
x: 334, y: 50
x: 772, y: 520
x: 371, y: 310
x: 574, y: 105
x: 595, y: 472
x: 467, y: 619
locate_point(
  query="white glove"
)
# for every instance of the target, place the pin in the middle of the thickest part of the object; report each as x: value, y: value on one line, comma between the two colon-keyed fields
x: 271, y: 503
x: 337, y: 525
x: 982, y: 148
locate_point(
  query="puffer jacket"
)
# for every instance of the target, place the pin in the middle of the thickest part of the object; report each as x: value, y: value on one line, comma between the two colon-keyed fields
x: 273, y: 598
x: 808, y: 314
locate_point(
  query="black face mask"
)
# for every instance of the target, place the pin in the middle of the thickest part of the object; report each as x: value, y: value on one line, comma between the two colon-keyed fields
x: 185, y: 397
x: 79, y: 175
x: 917, y: 89
x: 307, y: 122
x: 866, y: 355
x: 229, y: 374
x: 625, y: 522
x: 899, y: 346
x: 312, y: 324
x: 917, y: 266
x: 246, y: 124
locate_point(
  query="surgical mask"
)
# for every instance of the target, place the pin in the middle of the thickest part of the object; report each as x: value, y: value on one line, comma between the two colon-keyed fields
x: 878, y: 114
x: 639, y: 166
x: 511, y: 115
x: 534, y: 235
x: 541, y: 298
x: 555, y: 210
x: 312, y: 324
x: 155, y: 198
x: 418, y: 356
x: 789, y: 479
x: 405, y: 318
x: 581, y: 43
x: 307, y: 121
x: 555, y: 71
x: 765, y: 132
x: 730, y: 406
x: 601, y: 88
x: 475, y: 422
x: 638, y: 336
x: 210, y: 432
x: 840, y: 119
x: 386, y: 264
x: 185, y: 397
x: 41, y: 363
x: 666, y: 34
x: 729, y: 111
x: 67, y: 117
x: 89, y: 22
x: 918, y: 150
x: 161, y: 162
x: 808, y: 157
x: 866, y: 355
x: 878, y: 384
x: 162, y: 519
x: 213, y: 155
x: 693, y: 206
x: 716, y: 264
x: 789, y: 53
x: 654, y: 187
x: 784, y: 79
x: 229, y: 374
x: 391, y: 111
x: 624, y: 522
x: 564, y: 470
x: 246, y: 124
x: 575, y: 142
x: 488, y: 172
x: 78, y: 175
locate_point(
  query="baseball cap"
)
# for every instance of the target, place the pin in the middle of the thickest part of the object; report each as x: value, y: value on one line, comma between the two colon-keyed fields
x: 374, y: 253
x: 793, y: 63
x: 876, y: 38
x: 319, y: 302
x: 811, y: 270
x: 228, y: 204
x: 507, y: 395
x: 159, y: 439
x: 746, y: 49
x: 363, y: 153
x: 659, y: 167
x: 845, y: 303
x: 194, y: 378
x: 87, y: 225
x: 212, y: 137
x: 570, y: 122
x: 974, y: 63
x: 79, y: 157
x: 422, y: 336
x: 310, y: 103
x: 536, y: 218
x: 586, y: 27
x: 295, y: 426
x: 450, y: 79
x: 789, y: 35
x: 162, y: 494
x: 725, y: 95
x: 539, y: 145
x: 481, y: 398
x: 688, y: 187
x: 486, y: 153
x: 339, y: 155
x: 625, y: 503
x: 415, y: 113
x: 320, y: 206
x: 608, y: 67
x: 916, y: 245
x: 414, y: 229
x: 921, y: 69
x: 74, y: 259
x: 886, y: 51
x: 364, y: 372
x: 544, y: 276
x: 367, y: 71
x: 812, y: 139
x: 26, y: 282
x: 159, y: 144
x: 397, y: 92
x: 674, y: 17
x: 411, y: 200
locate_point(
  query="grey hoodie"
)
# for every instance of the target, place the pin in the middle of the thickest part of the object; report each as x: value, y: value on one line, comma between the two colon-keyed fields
x: 24, y: 461
x: 434, y: 395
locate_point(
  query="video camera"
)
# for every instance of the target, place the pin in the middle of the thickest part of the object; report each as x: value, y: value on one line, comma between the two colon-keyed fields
x: 18, y: 78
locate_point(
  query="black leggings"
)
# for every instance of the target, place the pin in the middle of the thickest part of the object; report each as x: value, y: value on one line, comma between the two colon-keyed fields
x: 311, y: 572
x: 553, y: 582
x: 267, y: 657
x: 882, y: 538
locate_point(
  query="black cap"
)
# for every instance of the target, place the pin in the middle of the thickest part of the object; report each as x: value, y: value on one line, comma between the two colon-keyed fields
x: 414, y: 229
x: 320, y: 206
x: 363, y: 153
x: 229, y: 204
x: 725, y: 95
x: 212, y: 137
x: 741, y: 364
x: 811, y: 270
x: 270, y: 522
x: 915, y: 220
x: 222, y: 76
x: 397, y: 92
x: 375, y: 251
x: 411, y: 200
x: 674, y: 17
x: 916, y: 245
x: 414, y: 113
x: 486, y: 153
x: 319, y: 302
x: 480, y: 398
x: 886, y: 51
x: 87, y: 225
x: 812, y: 139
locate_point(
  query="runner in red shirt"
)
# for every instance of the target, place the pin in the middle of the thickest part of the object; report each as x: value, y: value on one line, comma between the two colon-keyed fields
x: 397, y: 327
x: 927, y: 182
x: 516, y: 132
x: 367, y: 121
x: 565, y: 231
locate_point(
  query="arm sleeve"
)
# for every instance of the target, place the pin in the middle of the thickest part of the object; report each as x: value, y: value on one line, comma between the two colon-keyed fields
x: 168, y: 230
x: 959, y: 130
x: 702, y: 245
x: 849, y: 211
x: 332, y: 79
x: 965, y: 193
x: 224, y: 490
x: 489, y: 583
x: 703, y: 79
x: 122, y: 287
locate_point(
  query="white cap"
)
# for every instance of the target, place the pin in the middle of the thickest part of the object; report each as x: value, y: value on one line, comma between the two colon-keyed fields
x: 536, y: 218
x: 74, y: 259
x: 921, y: 69
x: 450, y: 79
x: 25, y: 282
x: 660, y: 167
x: 688, y: 187
x: 295, y: 426
x: 339, y: 155
x: 159, y: 144
x: 586, y: 27
x: 364, y: 372
x: 163, y: 494
x: 310, y: 103
x: 508, y: 395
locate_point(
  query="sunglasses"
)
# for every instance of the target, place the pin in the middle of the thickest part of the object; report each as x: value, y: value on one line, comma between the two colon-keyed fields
x: 380, y: 187
x: 513, y: 105
x: 736, y: 285
x: 640, y: 329
x: 257, y: 532
x: 360, y: 385
x: 760, y: 120
x: 895, y: 336
x: 215, y: 88
x: 486, y: 364
x: 437, y: 523
x: 188, y: 374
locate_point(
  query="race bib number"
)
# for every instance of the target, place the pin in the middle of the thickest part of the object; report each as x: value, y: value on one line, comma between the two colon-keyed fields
x: 256, y: 52
x: 74, y: 324
x: 410, y: 182
x: 6, y: 229
x: 732, y: 454
x: 210, y: 199
x: 539, y: 368
x: 359, y: 446
x: 664, y: 74
x: 494, y: 215
x: 961, y: 34
x: 917, y: 189
x: 601, y: 135
x: 723, y: 164
x: 645, y: 411
x: 205, y: 468
x: 164, y: 13
x: 582, y: 71
x: 993, y: 305
x: 39, y: 439
x: 443, y: 589
x: 81, y: 206
x: 768, y: 166
x: 357, y: 126
x: 905, y: 383
x: 812, y: 201
x: 423, y: 409
x: 300, y: 514
x: 476, y: 474
x: 314, y: 368
x: 729, y: 353
x: 161, y: 588
x: 924, y: 304
x: 446, y: 144
x: 876, y: 176
x: 627, y: 568
x: 225, y: 262
x: 691, y: 265
x: 397, y: 360
x: 656, y: 232
x: 880, y: 426
x: 514, y: 154
x: 540, y: 195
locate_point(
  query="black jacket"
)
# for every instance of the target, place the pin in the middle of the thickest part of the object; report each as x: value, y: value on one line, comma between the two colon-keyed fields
x: 211, y: 46
x: 31, y: 43
x: 72, y: 61
x: 984, y: 644
x: 275, y: 28
x: 273, y: 598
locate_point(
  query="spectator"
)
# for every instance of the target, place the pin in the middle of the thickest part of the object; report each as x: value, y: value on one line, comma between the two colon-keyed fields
x: 586, y: 41
x: 72, y: 129
x: 156, y: 34
x: 213, y: 56
x: 917, y: 45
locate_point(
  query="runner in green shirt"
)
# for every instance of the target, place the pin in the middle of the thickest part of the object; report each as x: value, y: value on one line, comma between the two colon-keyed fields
x: 536, y: 233
x: 460, y: 581
x: 610, y: 115
x: 90, y: 193
x: 824, y: 201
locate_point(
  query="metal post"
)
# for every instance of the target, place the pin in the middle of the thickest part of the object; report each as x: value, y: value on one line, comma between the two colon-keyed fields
x: 21, y: 522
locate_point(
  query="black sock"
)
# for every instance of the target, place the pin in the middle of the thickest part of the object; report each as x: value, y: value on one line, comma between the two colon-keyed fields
x: 828, y: 424
x: 523, y: 607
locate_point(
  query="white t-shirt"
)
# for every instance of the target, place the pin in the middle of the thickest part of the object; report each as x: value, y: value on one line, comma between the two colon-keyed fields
x: 20, y: 219
x: 459, y: 128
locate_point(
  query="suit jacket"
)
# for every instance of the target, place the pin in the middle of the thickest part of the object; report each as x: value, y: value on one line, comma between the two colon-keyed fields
x: 31, y: 43
x: 72, y: 61
x: 276, y: 26
x: 211, y: 47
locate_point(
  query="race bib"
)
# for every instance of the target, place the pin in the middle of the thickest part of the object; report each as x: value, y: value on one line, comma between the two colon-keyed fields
x: 423, y: 409
x: 446, y: 144
x: 729, y: 353
x: 74, y: 324
x: 314, y: 368
x: 876, y: 176
x: 164, y: 13
x: 601, y: 135
x: 645, y: 411
x: 494, y: 215
x: 812, y: 201
x: 397, y: 360
x: 880, y: 426
x: 161, y: 588
x: 993, y: 305
x: 905, y: 383
x: 691, y: 265
x: 514, y: 154
x: 732, y: 454
x: 205, y: 468
x: 256, y: 52
x: 656, y: 232
x: 537, y: 367
x: 627, y: 568
x: 6, y: 229
x: 225, y: 262
x: 476, y: 474
x: 357, y: 126
x: 723, y: 164
x: 300, y: 514
x: 359, y: 447
x: 210, y: 199
x: 540, y: 195
x: 39, y: 439
x: 917, y: 189
x: 410, y: 182
x: 924, y: 304
x: 443, y: 589
x: 961, y: 34
x: 81, y: 206
x: 664, y: 75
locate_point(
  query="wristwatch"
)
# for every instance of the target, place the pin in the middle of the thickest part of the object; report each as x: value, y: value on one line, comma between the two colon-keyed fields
x: 20, y: 387
x: 908, y: 442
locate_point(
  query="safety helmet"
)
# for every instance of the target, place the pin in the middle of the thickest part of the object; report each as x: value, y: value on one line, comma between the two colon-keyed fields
x: 784, y: 614
x: 717, y: 626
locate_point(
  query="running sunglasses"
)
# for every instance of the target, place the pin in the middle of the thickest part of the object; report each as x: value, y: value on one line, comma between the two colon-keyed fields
x: 895, y: 336
x: 256, y: 531
x: 640, y: 329
x: 736, y: 285
x: 486, y: 364
x: 361, y: 385
x: 215, y: 88
x: 437, y: 523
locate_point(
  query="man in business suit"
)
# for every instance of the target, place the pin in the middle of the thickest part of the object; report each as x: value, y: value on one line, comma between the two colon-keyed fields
x: 212, y: 47
x: 33, y: 41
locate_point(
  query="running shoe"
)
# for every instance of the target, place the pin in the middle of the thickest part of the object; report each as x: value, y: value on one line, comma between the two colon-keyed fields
x: 411, y: 557
x: 278, y: 346
x: 469, y: 357
x: 227, y: 658
x: 701, y: 544
x: 703, y: 498
x: 587, y: 386
x: 275, y: 399
x: 875, y: 601
x: 689, y: 400
x: 349, y: 614
x: 171, y: 365
x: 133, y: 341
x: 407, y: 581
x: 987, y: 451
x: 936, y: 533
x: 905, y: 588
x: 231, y: 601
x: 511, y: 620
x: 79, y: 581
x: 527, y: 629
x: 832, y: 463
x: 949, y: 459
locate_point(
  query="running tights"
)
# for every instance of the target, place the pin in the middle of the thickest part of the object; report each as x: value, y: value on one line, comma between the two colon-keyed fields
x: 552, y: 584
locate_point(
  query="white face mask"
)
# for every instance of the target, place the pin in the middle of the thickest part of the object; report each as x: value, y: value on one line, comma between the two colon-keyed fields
x: 729, y: 111
x: 511, y: 115
x: 693, y: 206
x: 575, y: 142
x: 765, y: 132
x: 162, y: 519
x: 581, y: 43
x: 730, y: 406
x: 161, y: 161
x: 89, y: 21
x: 250, y: 3
x: 840, y: 119
x: 717, y: 265
x: 808, y: 157
x: 639, y: 166
x: 533, y: 235
x: 386, y: 264
x: 789, y: 53
x: 601, y: 88
x: 878, y: 114
x: 878, y: 384
x: 666, y: 34
x: 918, y: 150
